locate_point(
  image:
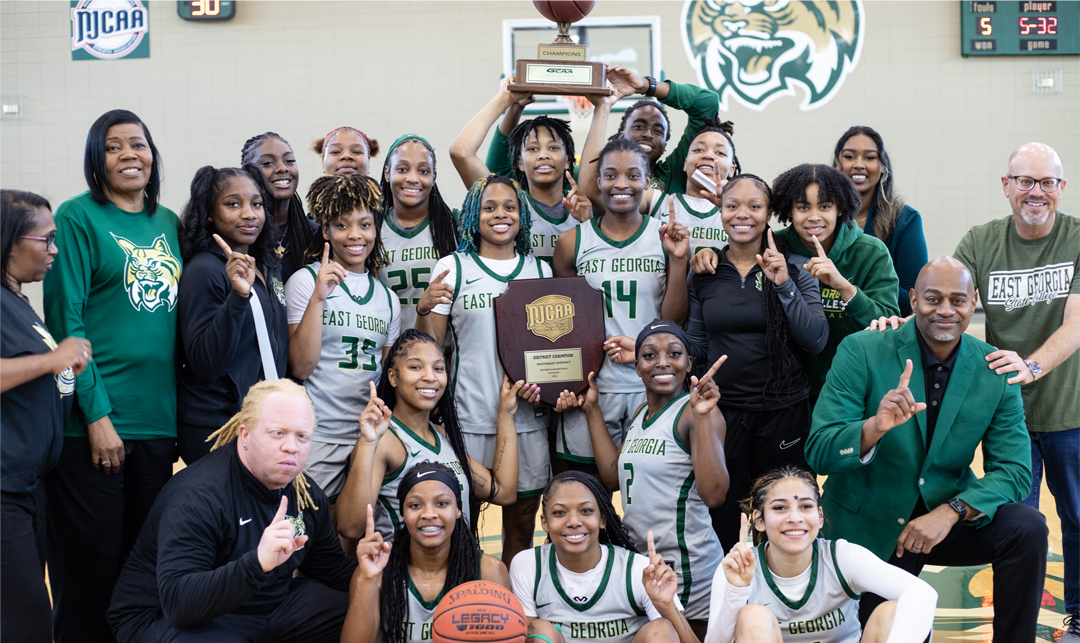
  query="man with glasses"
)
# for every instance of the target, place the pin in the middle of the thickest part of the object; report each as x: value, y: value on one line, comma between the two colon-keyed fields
x: 1025, y: 269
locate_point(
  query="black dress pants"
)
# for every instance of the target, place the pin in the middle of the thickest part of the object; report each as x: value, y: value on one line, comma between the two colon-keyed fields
x: 24, y: 600
x: 94, y: 520
x: 1014, y: 544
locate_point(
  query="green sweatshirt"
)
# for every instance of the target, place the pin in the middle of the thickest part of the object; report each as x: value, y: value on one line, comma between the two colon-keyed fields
x: 865, y: 262
x: 698, y: 103
x: 115, y: 283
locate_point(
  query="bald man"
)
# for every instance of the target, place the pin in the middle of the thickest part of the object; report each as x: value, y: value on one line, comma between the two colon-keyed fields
x: 1025, y: 268
x: 896, y: 429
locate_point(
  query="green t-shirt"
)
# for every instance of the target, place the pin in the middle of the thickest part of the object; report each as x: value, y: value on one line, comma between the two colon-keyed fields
x: 115, y: 283
x: 1023, y: 286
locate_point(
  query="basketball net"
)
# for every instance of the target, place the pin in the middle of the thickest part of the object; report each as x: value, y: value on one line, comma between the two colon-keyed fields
x: 580, y: 110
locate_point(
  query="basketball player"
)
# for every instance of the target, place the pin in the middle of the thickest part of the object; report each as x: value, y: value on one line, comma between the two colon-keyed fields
x: 494, y: 250
x: 418, y: 228
x: 640, y: 266
x: 342, y: 320
x: 395, y: 589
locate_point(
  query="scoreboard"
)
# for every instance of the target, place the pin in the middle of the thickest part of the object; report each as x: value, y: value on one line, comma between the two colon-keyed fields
x: 1019, y: 28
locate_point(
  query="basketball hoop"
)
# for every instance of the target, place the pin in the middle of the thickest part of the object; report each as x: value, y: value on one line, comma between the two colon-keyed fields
x: 580, y: 110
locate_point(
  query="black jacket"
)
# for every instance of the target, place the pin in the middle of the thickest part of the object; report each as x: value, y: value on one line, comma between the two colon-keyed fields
x: 220, y: 357
x: 196, y: 560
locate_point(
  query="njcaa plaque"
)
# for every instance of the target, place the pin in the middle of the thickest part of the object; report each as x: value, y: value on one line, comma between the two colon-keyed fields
x: 551, y: 332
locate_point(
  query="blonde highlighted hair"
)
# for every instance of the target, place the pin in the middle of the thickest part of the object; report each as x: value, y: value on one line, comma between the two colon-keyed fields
x: 251, y: 411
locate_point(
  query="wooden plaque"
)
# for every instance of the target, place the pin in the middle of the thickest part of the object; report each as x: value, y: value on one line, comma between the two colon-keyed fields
x: 550, y: 77
x: 551, y: 332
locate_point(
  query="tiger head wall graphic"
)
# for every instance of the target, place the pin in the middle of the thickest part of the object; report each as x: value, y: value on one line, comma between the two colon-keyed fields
x: 151, y: 274
x: 760, y: 50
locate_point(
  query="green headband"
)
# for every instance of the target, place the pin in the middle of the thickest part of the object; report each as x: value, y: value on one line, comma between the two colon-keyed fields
x: 405, y: 137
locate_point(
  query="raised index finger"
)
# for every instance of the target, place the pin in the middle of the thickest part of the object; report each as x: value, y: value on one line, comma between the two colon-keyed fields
x: 744, y: 527
x: 280, y: 515
x: 671, y: 209
x: 442, y: 275
x: 652, y: 546
x: 370, y: 529
x: 820, y: 251
x: 772, y: 242
x: 570, y: 177
x: 905, y: 377
x: 326, y: 253
x: 715, y: 367
x: 224, y: 246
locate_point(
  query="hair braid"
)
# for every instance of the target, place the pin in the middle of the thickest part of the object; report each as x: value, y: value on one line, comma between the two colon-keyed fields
x: 298, y: 234
x: 519, y: 136
x: 198, y: 229
x: 462, y: 566
x: 444, y: 233
x: 470, y: 216
x: 614, y: 532
x: 333, y: 196
x: 250, y: 412
x: 445, y: 415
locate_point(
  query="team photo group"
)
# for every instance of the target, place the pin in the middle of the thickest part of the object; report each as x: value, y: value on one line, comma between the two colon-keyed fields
x: 327, y: 368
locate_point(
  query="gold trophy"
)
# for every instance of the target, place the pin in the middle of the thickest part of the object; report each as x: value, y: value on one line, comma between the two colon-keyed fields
x: 562, y: 67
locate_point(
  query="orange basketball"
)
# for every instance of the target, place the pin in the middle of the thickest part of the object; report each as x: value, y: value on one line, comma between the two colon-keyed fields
x: 479, y: 612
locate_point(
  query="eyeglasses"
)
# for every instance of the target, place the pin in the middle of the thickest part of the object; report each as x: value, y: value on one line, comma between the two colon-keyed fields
x: 1025, y: 183
x: 50, y: 240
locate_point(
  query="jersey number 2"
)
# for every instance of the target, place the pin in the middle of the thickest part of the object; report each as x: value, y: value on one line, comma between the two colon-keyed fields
x: 629, y: 467
x: 353, y: 347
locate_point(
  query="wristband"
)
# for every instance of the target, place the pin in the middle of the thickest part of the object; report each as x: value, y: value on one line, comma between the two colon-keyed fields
x: 652, y: 86
x: 538, y: 636
x: 420, y: 314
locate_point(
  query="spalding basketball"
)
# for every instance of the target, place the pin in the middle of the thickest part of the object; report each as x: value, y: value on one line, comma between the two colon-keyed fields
x: 479, y: 612
x: 564, y: 10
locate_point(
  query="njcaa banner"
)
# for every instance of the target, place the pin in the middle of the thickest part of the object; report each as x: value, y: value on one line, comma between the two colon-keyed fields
x: 109, y: 29
x: 759, y: 50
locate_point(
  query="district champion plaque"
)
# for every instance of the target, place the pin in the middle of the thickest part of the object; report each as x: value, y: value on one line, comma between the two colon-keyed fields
x: 550, y: 332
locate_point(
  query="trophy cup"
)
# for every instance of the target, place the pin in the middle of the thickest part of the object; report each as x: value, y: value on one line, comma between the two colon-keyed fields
x: 562, y: 67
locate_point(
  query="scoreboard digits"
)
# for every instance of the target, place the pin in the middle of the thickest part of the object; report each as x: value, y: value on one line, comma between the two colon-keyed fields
x: 1014, y: 28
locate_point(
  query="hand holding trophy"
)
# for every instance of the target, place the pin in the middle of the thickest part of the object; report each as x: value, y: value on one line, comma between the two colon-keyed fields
x: 562, y: 67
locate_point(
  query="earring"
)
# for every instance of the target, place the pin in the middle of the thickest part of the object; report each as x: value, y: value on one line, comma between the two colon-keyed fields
x: 245, y: 445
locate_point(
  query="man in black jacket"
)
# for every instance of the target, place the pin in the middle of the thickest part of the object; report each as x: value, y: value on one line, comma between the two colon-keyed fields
x: 216, y: 557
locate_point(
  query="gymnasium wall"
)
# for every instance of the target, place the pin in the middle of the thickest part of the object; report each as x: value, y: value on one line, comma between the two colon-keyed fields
x: 303, y: 68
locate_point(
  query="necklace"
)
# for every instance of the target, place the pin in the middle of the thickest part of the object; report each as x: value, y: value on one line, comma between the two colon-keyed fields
x: 281, y: 249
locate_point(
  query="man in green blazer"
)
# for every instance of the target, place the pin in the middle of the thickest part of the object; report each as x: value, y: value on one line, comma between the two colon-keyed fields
x: 896, y: 428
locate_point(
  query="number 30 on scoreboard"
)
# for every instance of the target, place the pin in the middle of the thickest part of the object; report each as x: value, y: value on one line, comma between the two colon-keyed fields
x: 197, y: 10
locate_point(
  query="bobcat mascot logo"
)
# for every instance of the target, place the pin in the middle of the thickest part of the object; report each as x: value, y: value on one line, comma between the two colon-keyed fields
x: 151, y: 274
x: 758, y: 50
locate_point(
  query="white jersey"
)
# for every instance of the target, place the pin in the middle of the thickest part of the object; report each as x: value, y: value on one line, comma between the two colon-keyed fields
x: 612, y: 614
x: 412, y: 258
x: 359, y: 318
x: 419, y: 616
x: 476, y: 374
x: 545, y: 228
x: 699, y: 215
x: 388, y: 516
x: 656, y: 481
x: 827, y: 613
x: 632, y: 275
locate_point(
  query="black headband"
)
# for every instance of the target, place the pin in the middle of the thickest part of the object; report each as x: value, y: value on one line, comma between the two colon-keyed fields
x: 423, y: 472
x: 661, y: 326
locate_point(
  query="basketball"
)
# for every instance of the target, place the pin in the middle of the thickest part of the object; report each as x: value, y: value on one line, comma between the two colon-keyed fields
x: 564, y: 10
x: 479, y: 612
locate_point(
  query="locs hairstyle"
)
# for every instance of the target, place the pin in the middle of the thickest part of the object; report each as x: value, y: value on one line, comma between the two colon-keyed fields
x: 638, y: 105
x: 519, y: 138
x: 17, y: 210
x: 727, y: 128
x: 97, y: 177
x: 197, y: 233
x: 333, y: 196
x: 470, y: 216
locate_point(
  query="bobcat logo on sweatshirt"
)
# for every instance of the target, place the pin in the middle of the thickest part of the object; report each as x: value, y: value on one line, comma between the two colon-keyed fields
x: 151, y: 274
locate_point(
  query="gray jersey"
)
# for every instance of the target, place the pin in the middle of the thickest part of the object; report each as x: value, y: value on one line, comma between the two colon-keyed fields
x: 827, y: 613
x: 477, y: 374
x: 412, y: 258
x: 388, y: 517
x: 611, y: 614
x: 656, y: 481
x: 354, y: 331
x: 700, y: 217
x: 548, y: 222
x: 632, y: 275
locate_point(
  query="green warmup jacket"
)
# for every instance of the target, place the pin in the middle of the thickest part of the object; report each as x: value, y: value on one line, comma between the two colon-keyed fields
x: 864, y: 261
